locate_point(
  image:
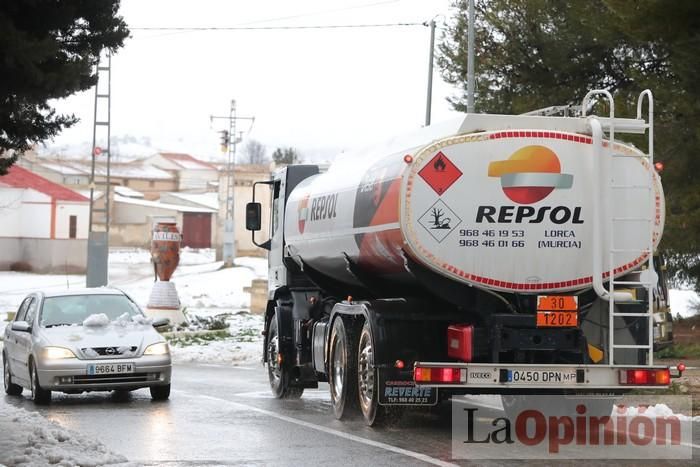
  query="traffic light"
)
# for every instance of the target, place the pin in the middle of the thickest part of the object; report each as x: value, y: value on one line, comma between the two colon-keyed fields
x: 224, y: 140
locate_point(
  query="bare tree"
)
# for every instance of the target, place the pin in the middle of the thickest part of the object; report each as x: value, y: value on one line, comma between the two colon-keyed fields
x: 255, y: 152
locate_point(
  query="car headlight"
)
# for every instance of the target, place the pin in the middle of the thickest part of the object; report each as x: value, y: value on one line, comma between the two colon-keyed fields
x: 55, y: 353
x: 161, y: 348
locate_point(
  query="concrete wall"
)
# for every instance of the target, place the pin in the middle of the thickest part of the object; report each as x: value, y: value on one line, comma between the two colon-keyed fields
x: 132, y: 224
x: 243, y: 194
x: 44, y: 255
x: 24, y: 213
x: 151, y: 189
x: 195, y: 180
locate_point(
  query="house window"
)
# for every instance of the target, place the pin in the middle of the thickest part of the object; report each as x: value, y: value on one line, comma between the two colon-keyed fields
x: 72, y: 226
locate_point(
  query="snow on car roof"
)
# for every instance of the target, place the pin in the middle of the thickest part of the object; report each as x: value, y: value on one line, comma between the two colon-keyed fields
x: 84, y: 291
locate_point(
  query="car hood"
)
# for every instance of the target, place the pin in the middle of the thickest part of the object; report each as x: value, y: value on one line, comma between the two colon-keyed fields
x: 80, y: 337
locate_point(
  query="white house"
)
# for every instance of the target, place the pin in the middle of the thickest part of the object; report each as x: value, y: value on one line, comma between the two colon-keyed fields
x: 44, y: 225
x: 193, y: 175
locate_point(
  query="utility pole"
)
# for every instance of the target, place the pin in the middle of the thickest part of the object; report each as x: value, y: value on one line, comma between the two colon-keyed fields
x: 229, y: 243
x: 470, y: 59
x: 431, y: 55
x: 98, y: 240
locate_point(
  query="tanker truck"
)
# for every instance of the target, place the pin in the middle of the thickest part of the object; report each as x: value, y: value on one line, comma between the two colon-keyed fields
x: 495, y: 254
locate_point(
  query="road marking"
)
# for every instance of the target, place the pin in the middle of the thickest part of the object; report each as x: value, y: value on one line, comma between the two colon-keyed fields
x: 330, y: 431
x: 314, y: 395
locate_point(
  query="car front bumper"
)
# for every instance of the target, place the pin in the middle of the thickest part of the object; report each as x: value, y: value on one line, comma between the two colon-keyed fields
x: 71, y: 374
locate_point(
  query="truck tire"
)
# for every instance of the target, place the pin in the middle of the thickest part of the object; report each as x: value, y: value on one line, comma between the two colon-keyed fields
x: 277, y: 372
x: 368, y: 383
x: 342, y: 370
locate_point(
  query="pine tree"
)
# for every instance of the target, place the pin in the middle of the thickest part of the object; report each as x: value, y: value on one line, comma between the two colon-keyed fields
x: 49, y: 50
x: 536, y: 53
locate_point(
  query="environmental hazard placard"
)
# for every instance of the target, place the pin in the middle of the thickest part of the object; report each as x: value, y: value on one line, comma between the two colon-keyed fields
x: 439, y: 220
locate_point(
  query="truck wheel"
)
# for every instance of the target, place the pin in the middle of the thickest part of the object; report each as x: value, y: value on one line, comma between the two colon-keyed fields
x: 342, y: 369
x: 368, y: 383
x: 276, y: 370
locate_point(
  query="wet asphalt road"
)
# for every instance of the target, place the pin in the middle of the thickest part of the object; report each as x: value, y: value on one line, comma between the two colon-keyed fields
x: 225, y: 416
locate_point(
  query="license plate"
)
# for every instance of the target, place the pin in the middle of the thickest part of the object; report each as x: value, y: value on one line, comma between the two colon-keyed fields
x: 110, y: 368
x: 527, y: 377
x: 557, y: 319
x: 557, y: 303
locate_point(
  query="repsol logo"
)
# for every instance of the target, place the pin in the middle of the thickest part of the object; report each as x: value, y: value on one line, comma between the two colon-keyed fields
x: 528, y: 214
x: 323, y: 207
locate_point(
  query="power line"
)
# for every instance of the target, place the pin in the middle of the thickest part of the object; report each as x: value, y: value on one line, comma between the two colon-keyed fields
x: 267, y: 28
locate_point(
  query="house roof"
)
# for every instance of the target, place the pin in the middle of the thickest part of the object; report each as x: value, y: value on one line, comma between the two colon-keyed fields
x: 207, y: 200
x: 127, y: 192
x: 18, y: 177
x: 157, y: 204
x: 186, y: 161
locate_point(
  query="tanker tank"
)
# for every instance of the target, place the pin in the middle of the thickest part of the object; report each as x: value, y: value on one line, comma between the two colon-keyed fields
x: 479, y: 204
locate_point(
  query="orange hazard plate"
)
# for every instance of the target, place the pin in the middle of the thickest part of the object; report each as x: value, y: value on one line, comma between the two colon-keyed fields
x: 557, y: 319
x: 557, y: 303
x: 557, y: 311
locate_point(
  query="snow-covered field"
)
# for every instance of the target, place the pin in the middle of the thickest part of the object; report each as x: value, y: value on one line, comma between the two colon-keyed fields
x: 28, y: 439
x: 204, y: 288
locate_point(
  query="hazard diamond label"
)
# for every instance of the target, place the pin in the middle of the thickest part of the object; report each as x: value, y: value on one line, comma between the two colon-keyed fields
x: 439, y: 220
x: 440, y: 173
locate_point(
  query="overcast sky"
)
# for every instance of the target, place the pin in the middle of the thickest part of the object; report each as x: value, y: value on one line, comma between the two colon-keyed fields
x: 317, y: 89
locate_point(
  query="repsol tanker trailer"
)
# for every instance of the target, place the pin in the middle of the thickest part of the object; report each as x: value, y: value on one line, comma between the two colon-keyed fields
x: 490, y: 255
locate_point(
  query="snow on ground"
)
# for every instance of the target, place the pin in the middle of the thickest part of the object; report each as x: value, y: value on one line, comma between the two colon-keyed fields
x: 205, y: 290
x: 28, y: 439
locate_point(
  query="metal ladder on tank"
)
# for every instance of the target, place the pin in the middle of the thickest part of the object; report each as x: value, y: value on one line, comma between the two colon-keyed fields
x: 605, y: 156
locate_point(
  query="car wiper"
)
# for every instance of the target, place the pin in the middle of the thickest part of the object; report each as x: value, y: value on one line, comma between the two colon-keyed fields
x: 58, y: 324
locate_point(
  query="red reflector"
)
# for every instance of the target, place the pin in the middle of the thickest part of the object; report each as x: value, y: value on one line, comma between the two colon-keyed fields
x: 681, y: 367
x: 460, y: 342
x: 399, y: 364
x: 646, y: 377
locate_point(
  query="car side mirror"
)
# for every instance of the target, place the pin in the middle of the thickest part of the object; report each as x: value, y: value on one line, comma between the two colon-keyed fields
x: 161, y: 322
x: 253, y: 214
x: 21, y: 326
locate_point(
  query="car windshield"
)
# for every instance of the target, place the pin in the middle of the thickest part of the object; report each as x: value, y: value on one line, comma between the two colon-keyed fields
x: 74, y: 309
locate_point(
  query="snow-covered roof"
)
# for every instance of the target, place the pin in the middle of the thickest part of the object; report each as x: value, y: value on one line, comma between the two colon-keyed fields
x: 186, y: 161
x: 64, y: 169
x: 158, y: 204
x: 130, y: 170
x: 208, y: 200
x: 128, y: 192
x: 96, y: 194
x: 19, y: 177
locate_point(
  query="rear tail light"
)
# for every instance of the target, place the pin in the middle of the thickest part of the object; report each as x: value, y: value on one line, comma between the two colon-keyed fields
x: 646, y: 377
x: 437, y: 375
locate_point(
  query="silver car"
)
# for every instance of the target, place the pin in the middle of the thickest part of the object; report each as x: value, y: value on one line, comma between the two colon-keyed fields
x: 84, y: 340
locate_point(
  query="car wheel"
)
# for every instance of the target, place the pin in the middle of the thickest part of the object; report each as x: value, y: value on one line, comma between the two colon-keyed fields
x: 160, y: 393
x: 277, y: 372
x: 342, y: 370
x: 11, y: 388
x: 40, y: 395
